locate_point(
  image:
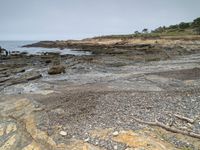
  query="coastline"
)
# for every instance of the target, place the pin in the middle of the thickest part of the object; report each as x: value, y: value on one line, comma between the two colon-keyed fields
x: 90, y: 100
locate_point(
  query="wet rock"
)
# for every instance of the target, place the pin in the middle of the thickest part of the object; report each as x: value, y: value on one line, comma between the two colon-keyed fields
x: 56, y: 69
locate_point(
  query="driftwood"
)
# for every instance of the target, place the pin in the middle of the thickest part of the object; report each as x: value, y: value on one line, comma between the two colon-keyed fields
x: 168, y: 128
x: 189, y: 120
x: 184, y: 118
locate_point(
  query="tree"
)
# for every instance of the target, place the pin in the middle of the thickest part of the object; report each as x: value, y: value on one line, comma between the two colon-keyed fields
x: 159, y: 30
x: 145, y: 30
x: 196, y: 22
x: 136, y: 32
x: 173, y: 27
x: 184, y: 25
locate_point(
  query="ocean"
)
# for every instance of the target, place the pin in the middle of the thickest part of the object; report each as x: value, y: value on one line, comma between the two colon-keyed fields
x: 17, y: 46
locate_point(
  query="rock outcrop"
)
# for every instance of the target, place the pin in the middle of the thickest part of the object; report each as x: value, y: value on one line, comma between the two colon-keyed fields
x: 56, y: 69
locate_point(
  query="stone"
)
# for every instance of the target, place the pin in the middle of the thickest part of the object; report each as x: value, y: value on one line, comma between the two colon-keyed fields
x: 86, y: 140
x: 63, y: 133
x: 115, y: 133
x: 115, y: 147
x: 56, y: 69
x: 97, y: 142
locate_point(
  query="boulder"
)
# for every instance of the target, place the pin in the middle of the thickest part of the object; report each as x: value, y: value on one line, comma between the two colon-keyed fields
x: 56, y: 69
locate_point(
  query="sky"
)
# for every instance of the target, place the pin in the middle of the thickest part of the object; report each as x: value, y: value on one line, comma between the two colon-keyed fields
x: 77, y: 19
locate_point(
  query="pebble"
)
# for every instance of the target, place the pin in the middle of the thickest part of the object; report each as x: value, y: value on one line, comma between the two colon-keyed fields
x: 63, y: 133
x: 96, y: 143
x: 115, y: 133
x: 37, y: 106
x: 86, y: 140
x: 115, y: 147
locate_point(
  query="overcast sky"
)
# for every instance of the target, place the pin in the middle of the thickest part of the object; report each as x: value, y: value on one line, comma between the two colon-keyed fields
x: 75, y: 19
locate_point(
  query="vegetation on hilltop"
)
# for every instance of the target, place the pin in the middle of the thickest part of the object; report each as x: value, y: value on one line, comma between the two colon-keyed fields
x: 191, y: 28
x: 181, y: 29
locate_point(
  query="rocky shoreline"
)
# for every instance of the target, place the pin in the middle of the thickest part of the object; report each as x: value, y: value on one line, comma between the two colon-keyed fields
x: 67, y: 102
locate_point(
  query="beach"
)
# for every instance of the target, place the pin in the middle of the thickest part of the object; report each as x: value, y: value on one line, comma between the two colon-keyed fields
x: 104, y: 100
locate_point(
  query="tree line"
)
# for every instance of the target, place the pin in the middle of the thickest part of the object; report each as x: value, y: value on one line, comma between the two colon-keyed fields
x: 194, y: 27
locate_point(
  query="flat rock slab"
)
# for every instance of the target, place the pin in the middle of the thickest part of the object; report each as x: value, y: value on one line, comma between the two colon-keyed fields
x: 185, y: 74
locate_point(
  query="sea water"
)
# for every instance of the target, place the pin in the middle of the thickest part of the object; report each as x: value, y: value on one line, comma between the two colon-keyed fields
x: 16, y: 46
